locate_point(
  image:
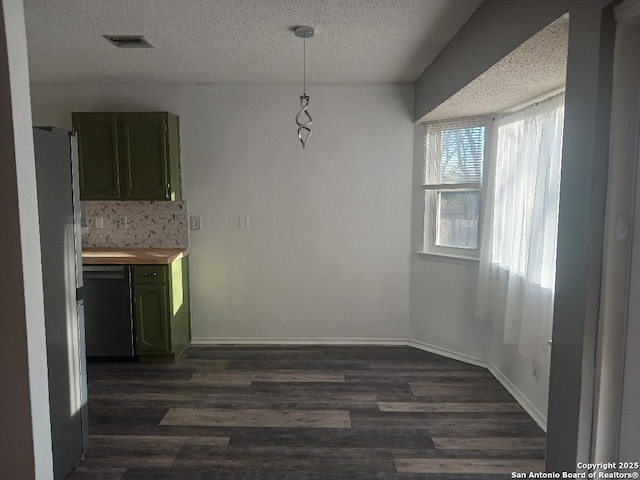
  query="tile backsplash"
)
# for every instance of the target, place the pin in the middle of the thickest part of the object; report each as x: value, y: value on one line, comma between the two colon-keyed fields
x: 135, y: 224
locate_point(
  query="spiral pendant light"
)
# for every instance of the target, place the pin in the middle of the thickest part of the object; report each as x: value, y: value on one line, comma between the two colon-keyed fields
x: 303, y: 118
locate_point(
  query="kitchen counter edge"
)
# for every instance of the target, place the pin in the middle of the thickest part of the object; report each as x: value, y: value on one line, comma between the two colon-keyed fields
x: 132, y: 256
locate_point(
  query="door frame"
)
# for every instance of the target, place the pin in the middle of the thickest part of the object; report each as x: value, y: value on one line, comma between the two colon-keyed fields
x: 620, y: 216
x: 629, y: 419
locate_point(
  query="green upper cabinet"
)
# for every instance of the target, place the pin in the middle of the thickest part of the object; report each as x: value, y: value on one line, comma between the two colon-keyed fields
x: 129, y: 156
x: 145, y: 156
x: 98, y: 146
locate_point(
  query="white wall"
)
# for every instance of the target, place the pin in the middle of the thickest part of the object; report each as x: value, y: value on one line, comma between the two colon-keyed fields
x: 443, y: 294
x: 327, y: 252
x: 25, y: 441
x: 515, y: 372
x: 442, y: 310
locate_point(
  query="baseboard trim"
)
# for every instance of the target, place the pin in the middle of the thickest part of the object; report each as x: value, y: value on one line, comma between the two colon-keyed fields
x: 449, y: 353
x: 524, y: 402
x: 297, y: 341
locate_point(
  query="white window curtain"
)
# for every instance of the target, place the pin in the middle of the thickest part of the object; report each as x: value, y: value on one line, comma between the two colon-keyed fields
x: 519, y: 236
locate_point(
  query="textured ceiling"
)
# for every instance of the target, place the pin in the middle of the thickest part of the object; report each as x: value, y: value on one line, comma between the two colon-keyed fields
x: 239, y: 40
x: 535, y: 68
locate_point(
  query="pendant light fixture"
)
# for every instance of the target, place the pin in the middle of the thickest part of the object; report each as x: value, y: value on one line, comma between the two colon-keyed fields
x: 304, y: 126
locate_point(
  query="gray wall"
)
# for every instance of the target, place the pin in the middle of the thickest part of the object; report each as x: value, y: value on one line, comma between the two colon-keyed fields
x: 494, y: 30
x: 25, y: 441
x: 580, y: 232
x: 625, y: 156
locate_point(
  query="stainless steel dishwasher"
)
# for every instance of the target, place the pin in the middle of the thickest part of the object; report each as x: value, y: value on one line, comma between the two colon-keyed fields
x: 108, y: 311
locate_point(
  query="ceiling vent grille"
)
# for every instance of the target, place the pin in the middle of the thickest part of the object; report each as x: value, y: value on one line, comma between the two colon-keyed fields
x: 128, y: 41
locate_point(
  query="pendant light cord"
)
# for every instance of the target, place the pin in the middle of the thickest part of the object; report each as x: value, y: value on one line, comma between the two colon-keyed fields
x: 304, y: 66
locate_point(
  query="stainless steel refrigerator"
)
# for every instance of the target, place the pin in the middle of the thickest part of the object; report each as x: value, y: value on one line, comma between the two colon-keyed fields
x: 60, y: 241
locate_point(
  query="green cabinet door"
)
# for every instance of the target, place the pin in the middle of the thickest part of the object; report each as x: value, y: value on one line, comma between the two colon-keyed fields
x: 144, y: 156
x: 152, y: 319
x: 98, y: 155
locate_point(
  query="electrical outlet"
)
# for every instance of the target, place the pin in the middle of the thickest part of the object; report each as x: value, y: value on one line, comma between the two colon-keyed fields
x: 99, y: 222
x: 195, y: 222
x: 535, y: 371
x: 123, y: 221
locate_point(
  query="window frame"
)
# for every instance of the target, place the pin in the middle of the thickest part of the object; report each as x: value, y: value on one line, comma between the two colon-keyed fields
x: 430, y: 219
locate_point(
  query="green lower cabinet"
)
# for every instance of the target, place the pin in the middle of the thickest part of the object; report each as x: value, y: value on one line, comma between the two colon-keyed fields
x: 162, y: 319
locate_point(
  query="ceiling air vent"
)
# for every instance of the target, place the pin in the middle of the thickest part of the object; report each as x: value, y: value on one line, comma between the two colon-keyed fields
x: 128, y: 41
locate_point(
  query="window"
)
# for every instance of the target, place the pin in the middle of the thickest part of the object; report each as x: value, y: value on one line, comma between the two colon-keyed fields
x: 454, y: 157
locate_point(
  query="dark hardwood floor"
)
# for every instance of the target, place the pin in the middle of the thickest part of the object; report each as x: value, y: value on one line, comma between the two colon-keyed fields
x: 312, y: 413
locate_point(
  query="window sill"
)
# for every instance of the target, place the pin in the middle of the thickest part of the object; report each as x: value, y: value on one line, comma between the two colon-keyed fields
x: 439, y: 257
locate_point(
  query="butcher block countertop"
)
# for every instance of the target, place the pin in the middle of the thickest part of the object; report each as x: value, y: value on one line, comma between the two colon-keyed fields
x: 132, y: 256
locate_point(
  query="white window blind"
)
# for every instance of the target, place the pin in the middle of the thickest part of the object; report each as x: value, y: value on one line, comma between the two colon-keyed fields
x: 454, y: 153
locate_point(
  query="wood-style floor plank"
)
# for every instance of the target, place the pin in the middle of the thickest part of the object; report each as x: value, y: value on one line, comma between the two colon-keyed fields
x: 242, y: 378
x: 96, y: 473
x: 245, y: 417
x: 304, y: 413
x: 161, y: 440
x: 448, y: 407
x: 458, y: 465
x: 490, y: 443
x: 303, y: 459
